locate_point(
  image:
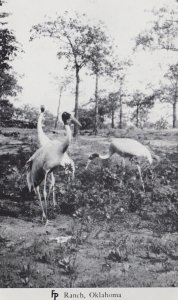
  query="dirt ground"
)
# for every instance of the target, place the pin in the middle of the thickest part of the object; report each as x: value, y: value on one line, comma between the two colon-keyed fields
x: 105, y: 231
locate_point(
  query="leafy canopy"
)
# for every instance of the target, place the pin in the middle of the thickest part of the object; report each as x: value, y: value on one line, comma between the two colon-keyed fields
x: 163, y: 33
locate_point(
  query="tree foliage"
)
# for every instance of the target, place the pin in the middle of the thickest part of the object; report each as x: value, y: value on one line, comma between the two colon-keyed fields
x: 168, y: 91
x: 109, y: 106
x: 8, y: 51
x: 29, y: 114
x: 141, y: 104
x: 163, y: 33
x: 62, y: 83
x: 100, y: 62
x: 119, y: 74
x: 6, y: 112
x: 86, y: 118
x: 77, y: 40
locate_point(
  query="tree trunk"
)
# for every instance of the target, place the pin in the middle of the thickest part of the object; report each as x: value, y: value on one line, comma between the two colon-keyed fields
x: 137, y: 117
x: 120, y: 114
x: 175, y: 106
x: 58, y: 108
x: 174, y: 112
x: 76, y: 99
x: 112, y: 119
x: 96, y: 105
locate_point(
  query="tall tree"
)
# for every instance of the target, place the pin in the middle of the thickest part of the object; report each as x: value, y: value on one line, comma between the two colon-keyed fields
x: 163, y: 35
x: 142, y: 104
x: 6, y: 112
x: 100, y: 62
x: 104, y: 108
x: 113, y: 105
x: 122, y: 93
x: 75, y: 38
x: 120, y: 69
x: 62, y: 83
x: 8, y: 50
x: 168, y: 91
x: 108, y: 105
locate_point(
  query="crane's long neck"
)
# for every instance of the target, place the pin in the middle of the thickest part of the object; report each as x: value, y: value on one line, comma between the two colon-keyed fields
x: 68, y: 138
x: 105, y: 156
x: 111, y: 152
x: 95, y: 155
x: 149, y: 157
x: 43, y: 139
x: 68, y: 133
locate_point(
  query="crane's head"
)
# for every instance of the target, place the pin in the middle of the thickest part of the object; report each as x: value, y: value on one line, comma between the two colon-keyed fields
x: 42, y: 108
x: 67, y: 118
x: 90, y: 158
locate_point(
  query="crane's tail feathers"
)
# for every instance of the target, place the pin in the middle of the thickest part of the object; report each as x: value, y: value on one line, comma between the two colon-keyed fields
x: 28, y: 167
x: 28, y: 164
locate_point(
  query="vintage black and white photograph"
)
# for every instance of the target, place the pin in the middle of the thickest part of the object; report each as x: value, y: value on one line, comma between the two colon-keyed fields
x: 88, y: 144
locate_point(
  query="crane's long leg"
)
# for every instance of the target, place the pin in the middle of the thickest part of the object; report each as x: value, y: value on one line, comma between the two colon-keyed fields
x: 151, y: 172
x: 123, y: 166
x: 123, y: 170
x: 43, y: 213
x: 45, y: 193
x: 139, y: 170
x: 52, y: 188
x: 73, y: 169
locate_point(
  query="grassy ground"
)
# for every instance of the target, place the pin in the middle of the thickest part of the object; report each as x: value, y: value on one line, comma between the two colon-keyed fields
x: 102, y: 233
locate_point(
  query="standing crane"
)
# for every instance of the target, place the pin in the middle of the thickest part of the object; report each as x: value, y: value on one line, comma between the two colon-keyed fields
x: 43, y: 140
x: 125, y: 147
x: 46, y: 159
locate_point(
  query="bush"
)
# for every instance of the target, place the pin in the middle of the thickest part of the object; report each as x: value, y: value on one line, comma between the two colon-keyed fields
x: 6, y: 112
x: 161, y: 124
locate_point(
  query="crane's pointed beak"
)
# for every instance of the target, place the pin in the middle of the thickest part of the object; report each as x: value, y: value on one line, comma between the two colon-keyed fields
x: 76, y: 121
x: 88, y: 162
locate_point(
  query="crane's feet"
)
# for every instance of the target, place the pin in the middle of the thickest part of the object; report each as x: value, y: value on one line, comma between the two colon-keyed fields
x: 44, y: 218
x: 47, y: 223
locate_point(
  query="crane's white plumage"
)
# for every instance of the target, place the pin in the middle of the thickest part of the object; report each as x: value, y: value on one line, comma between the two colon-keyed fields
x: 128, y: 148
x: 125, y: 147
x: 44, y: 139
